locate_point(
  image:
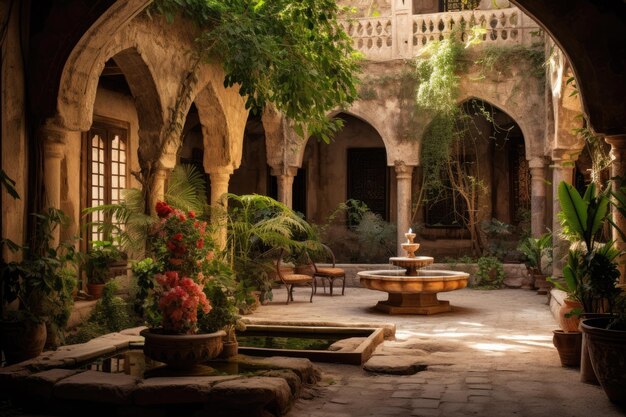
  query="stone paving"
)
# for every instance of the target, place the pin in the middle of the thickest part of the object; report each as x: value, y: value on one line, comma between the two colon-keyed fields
x: 491, y: 356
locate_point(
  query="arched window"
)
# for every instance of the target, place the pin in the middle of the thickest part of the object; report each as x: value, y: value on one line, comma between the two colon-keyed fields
x: 105, y: 170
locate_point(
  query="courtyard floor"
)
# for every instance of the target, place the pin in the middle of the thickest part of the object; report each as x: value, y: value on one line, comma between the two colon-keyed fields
x: 491, y: 356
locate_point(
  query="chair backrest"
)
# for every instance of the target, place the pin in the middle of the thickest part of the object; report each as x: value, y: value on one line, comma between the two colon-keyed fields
x: 329, y: 254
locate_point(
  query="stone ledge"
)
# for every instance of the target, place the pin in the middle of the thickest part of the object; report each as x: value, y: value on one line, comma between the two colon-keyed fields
x: 59, y: 391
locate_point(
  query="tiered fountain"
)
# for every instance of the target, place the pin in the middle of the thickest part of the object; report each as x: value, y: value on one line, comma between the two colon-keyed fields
x: 413, y: 291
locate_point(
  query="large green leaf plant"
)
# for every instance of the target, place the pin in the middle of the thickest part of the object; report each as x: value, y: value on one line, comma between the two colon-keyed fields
x: 591, y: 271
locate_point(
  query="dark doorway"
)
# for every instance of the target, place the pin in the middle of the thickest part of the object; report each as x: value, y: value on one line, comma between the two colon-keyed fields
x: 368, y: 178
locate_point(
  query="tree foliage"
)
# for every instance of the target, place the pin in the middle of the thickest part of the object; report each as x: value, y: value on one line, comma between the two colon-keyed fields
x: 293, y: 54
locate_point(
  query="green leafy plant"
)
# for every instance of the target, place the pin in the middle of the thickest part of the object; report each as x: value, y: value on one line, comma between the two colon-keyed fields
x: 590, y: 274
x: 111, y: 314
x: 258, y: 226
x: 43, y: 280
x: 537, y: 252
x: 490, y: 272
x: 101, y: 257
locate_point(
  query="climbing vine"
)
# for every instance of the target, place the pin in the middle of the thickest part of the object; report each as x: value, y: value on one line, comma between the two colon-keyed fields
x: 450, y: 167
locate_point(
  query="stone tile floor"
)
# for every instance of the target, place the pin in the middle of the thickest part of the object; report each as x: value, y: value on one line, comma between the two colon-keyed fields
x: 491, y: 356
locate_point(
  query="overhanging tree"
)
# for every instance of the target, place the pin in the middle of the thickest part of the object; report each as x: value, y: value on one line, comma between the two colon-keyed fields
x: 290, y: 53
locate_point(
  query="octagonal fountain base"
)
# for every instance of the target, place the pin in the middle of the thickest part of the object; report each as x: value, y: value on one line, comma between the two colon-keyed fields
x: 413, y: 294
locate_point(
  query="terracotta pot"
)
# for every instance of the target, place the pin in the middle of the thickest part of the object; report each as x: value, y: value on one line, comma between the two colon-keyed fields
x: 182, y: 351
x: 568, y: 344
x: 95, y: 290
x: 22, y: 340
x: 569, y: 324
x: 607, y: 350
x: 541, y: 284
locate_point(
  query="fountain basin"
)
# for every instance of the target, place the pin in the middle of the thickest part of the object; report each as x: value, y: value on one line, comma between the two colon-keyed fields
x: 415, y: 294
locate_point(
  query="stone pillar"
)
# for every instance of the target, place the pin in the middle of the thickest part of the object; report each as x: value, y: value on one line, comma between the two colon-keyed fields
x: 219, y: 187
x: 404, y: 175
x: 401, y: 36
x: 618, y: 169
x: 538, y: 196
x: 54, y: 140
x: 158, y: 187
x: 285, y: 184
x: 562, y: 170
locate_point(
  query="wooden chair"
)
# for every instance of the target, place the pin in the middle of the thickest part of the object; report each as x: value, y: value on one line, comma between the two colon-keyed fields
x: 329, y: 274
x: 291, y: 280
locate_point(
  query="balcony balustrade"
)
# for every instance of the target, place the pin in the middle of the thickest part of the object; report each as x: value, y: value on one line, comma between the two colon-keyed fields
x: 403, y: 36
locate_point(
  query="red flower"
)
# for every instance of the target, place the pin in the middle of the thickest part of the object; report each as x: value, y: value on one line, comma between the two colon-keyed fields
x: 178, y: 236
x: 192, y: 214
x: 163, y: 209
x: 200, y: 243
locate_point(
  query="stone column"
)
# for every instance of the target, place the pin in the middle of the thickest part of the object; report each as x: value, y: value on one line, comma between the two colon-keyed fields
x: 219, y: 186
x: 54, y: 140
x: 618, y: 169
x: 158, y: 187
x: 538, y: 196
x: 285, y: 179
x: 562, y: 170
x: 404, y: 175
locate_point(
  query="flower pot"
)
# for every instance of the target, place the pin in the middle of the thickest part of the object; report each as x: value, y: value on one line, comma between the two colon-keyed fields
x: 95, y: 290
x: 607, y: 351
x: 541, y: 284
x: 22, y: 340
x: 568, y: 344
x: 569, y: 324
x: 182, y: 351
x: 229, y: 350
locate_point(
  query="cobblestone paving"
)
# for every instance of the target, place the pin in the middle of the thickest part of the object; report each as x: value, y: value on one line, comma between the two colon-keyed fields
x: 491, y: 356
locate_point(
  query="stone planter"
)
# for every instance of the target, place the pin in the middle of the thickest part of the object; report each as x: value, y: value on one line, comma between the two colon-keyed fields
x: 607, y: 351
x: 21, y: 341
x: 568, y: 344
x: 182, y: 351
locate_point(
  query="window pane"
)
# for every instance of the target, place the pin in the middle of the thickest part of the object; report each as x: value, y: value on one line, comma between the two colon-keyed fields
x: 115, y: 155
x: 115, y: 195
x: 114, y: 169
x: 115, y: 144
x: 115, y: 182
x: 122, y: 182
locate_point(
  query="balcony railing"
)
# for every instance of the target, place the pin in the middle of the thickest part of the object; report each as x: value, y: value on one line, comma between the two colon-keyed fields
x: 403, y: 36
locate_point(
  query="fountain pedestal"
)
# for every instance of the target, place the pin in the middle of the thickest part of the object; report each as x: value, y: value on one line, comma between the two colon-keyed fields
x: 413, y: 304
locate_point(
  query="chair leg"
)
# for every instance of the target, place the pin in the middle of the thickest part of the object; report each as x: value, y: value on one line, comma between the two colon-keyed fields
x: 312, y: 291
x: 315, y: 284
x: 289, y: 289
x: 330, y: 284
x: 343, y: 287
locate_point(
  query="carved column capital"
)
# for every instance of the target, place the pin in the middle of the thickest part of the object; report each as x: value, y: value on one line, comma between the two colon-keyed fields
x: 54, y: 140
x: 403, y: 171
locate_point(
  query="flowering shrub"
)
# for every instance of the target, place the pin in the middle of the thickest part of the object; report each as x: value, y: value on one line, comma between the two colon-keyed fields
x: 179, y: 301
x: 183, y: 248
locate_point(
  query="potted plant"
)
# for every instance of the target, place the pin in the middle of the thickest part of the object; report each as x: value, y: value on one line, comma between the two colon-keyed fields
x: 177, y: 300
x: 592, y: 271
x: 538, y: 255
x: 40, y: 288
x: 257, y: 227
x: 103, y: 254
x: 490, y: 272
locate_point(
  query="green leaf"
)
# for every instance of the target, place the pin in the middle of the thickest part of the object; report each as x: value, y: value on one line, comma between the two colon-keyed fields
x: 573, y: 208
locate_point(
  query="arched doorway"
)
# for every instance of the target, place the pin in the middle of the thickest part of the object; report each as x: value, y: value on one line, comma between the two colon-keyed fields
x: 485, y: 185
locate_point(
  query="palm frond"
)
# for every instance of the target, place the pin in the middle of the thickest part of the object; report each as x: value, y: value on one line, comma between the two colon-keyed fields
x: 186, y: 188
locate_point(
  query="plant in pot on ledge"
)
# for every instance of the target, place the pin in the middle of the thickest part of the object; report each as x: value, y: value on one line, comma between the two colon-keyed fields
x: 592, y: 270
x: 182, y: 247
x: 538, y: 254
x: 103, y: 254
x: 39, y: 287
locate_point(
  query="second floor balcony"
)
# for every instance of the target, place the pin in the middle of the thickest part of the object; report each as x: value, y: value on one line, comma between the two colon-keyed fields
x: 403, y: 35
